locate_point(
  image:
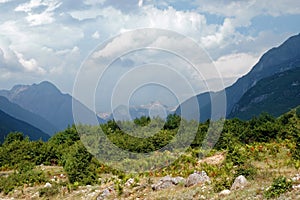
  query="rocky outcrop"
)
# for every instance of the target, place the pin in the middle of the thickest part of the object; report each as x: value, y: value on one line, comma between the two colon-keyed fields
x: 239, y: 183
x: 167, y: 182
x: 197, y: 178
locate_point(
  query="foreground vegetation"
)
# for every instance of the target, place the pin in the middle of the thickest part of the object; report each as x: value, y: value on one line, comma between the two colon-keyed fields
x: 265, y: 150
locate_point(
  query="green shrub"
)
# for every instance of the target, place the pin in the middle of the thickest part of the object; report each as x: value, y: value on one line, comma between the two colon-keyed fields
x: 236, y: 155
x: 24, y: 175
x: 224, y: 182
x: 247, y: 170
x: 78, y: 165
x: 48, y: 191
x: 14, y: 136
x: 279, y: 186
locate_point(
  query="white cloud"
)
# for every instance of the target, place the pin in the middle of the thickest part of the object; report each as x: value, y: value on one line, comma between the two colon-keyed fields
x: 58, y: 35
x: 44, y: 17
x: 235, y: 65
x: 30, y: 65
x: 5, y: 1
x: 244, y: 11
x: 96, y: 35
x: 141, y: 3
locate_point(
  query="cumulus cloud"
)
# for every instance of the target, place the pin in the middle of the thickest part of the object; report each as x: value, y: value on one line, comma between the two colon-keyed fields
x: 44, y: 17
x: 141, y: 3
x: 236, y: 64
x: 58, y: 35
x: 30, y: 65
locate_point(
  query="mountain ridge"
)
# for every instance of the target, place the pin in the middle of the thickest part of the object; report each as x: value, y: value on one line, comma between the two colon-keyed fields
x: 10, y: 124
x: 46, y: 100
x: 284, y: 57
x: 22, y: 114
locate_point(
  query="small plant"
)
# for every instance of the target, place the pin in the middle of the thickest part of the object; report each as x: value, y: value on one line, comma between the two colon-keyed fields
x: 222, y: 183
x: 279, y: 186
x: 247, y: 170
x: 48, y: 191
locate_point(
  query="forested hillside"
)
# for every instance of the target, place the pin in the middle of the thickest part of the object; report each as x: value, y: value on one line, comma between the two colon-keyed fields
x: 264, y: 149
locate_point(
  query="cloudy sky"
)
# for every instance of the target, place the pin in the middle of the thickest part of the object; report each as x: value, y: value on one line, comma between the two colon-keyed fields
x: 50, y: 39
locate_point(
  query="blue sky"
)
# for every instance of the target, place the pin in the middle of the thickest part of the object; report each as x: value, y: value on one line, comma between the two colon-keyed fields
x: 49, y: 39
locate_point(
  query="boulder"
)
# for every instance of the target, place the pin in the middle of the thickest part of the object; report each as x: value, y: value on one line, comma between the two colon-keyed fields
x: 224, y: 193
x: 239, y: 183
x: 167, y: 182
x: 47, y: 185
x: 197, y: 178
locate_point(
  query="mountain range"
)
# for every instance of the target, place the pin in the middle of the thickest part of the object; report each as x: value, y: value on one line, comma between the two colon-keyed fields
x: 273, y: 86
x: 44, y: 106
x: 277, y: 60
x: 9, y: 124
x: 152, y: 109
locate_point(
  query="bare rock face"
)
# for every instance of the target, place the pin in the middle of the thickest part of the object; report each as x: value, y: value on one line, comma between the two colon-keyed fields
x: 196, y: 178
x: 239, y: 183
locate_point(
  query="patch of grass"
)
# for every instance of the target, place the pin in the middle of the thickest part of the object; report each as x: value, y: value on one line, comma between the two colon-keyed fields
x: 279, y: 186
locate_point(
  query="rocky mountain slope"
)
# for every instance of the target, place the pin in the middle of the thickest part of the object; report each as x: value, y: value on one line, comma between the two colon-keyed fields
x: 276, y: 60
x: 275, y: 95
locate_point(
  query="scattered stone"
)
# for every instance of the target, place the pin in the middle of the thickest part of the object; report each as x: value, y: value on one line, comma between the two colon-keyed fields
x: 162, y: 185
x: 196, y: 178
x: 47, y: 185
x: 105, y: 193
x: 296, y: 178
x: 296, y: 187
x: 239, y: 183
x: 129, y: 182
x: 224, y: 193
x: 167, y: 182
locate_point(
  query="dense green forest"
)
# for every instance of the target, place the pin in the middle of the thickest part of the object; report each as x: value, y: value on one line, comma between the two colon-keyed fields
x: 242, y: 141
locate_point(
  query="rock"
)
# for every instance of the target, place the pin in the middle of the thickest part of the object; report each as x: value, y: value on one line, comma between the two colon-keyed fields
x: 196, y: 178
x: 129, y: 182
x: 224, y: 193
x: 167, y: 182
x: 296, y: 187
x: 177, y: 180
x: 105, y: 193
x: 296, y: 178
x: 162, y: 185
x: 47, y: 185
x: 239, y: 183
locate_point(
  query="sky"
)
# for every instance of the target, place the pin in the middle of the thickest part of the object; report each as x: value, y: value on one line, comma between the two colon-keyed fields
x: 52, y: 39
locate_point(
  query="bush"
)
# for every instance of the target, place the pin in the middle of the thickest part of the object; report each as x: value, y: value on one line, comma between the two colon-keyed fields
x: 247, y: 170
x: 224, y: 182
x: 236, y: 155
x: 48, y: 191
x: 279, y: 186
x: 77, y: 165
x: 24, y: 175
x: 14, y: 136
